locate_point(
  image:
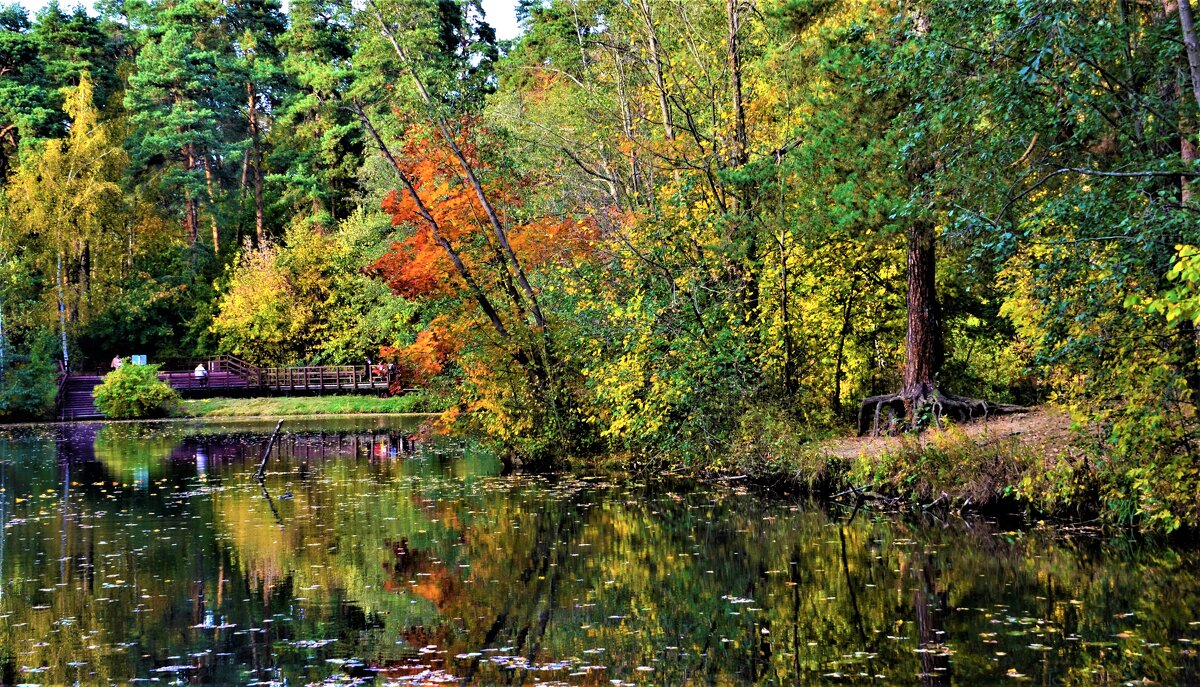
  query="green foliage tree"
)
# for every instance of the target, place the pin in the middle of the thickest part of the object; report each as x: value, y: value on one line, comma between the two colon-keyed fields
x: 324, y: 149
x: 28, y: 377
x: 25, y: 108
x: 180, y: 99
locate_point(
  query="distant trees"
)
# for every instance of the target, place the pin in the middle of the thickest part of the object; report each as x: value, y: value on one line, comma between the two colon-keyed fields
x: 306, y: 299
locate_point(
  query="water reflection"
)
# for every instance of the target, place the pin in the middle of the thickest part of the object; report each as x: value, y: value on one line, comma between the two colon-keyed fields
x: 150, y: 551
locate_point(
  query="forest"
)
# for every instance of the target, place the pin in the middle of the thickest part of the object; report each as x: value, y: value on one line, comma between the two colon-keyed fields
x: 689, y: 232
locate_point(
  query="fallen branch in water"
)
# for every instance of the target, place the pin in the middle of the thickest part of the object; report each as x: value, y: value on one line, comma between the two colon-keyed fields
x: 262, y: 466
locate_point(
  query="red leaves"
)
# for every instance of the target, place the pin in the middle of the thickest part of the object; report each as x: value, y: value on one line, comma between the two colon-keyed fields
x: 426, y: 357
x: 417, y: 265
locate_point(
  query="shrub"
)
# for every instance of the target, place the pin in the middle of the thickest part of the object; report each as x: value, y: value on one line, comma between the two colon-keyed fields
x: 770, y: 440
x: 134, y: 391
x: 28, y: 382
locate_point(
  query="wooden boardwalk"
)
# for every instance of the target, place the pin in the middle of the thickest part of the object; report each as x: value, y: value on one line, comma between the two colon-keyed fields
x: 226, y: 372
x: 227, y: 376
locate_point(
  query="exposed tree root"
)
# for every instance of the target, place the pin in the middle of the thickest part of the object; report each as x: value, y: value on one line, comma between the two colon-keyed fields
x: 928, y: 405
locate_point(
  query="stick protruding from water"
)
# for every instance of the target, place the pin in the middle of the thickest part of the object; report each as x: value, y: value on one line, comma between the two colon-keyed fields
x: 262, y: 466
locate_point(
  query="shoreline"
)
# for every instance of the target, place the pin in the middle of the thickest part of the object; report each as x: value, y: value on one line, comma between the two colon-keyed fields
x: 1034, y: 463
x: 211, y: 418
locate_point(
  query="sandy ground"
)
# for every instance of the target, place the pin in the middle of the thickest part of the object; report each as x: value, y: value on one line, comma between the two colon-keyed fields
x: 1047, y: 427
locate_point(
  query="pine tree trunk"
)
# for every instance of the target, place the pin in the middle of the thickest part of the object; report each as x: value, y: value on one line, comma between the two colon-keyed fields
x: 189, y: 203
x: 252, y: 109
x: 924, y: 338
x: 212, y: 206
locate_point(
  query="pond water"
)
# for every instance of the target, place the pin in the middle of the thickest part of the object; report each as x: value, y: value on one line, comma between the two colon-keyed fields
x: 133, y: 553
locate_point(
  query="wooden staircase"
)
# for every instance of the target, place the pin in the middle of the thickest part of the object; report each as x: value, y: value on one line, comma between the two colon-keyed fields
x: 76, y: 400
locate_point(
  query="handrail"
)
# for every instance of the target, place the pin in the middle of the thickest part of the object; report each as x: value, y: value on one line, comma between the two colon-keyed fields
x: 63, y: 376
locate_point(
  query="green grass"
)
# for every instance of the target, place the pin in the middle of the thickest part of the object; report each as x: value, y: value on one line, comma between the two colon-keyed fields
x: 307, y: 405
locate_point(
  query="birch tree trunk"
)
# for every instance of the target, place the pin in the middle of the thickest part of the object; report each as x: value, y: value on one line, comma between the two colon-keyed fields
x: 62, y: 312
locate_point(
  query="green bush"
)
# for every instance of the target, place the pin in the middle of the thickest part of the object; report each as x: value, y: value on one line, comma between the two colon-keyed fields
x: 135, y: 391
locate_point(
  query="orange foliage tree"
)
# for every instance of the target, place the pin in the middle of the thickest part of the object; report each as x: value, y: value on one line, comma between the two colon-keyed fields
x: 470, y: 248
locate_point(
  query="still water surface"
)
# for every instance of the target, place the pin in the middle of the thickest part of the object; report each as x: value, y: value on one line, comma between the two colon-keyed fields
x: 132, y: 553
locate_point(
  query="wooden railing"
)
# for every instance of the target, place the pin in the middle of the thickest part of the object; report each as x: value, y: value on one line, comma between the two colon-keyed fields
x: 226, y: 371
x: 318, y: 378
x: 61, y: 392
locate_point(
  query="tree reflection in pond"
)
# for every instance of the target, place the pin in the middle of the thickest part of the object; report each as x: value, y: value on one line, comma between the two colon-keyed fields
x: 151, y: 552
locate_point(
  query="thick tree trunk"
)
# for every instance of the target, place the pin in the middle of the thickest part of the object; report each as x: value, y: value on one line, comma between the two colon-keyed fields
x: 1188, y: 24
x: 924, y: 353
x: 923, y: 341
x: 1185, y: 125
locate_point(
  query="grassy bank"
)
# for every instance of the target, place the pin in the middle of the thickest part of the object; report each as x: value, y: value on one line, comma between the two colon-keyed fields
x: 307, y: 405
x: 1031, y: 462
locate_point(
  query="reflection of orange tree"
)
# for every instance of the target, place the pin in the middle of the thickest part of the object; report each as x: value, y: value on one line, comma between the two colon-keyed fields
x: 332, y: 540
x: 86, y: 579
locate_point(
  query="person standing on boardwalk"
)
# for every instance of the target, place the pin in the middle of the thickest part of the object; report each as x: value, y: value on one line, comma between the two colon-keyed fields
x: 201, y: 375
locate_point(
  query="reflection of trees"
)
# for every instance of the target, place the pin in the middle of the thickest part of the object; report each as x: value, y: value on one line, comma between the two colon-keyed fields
x: 873, y: 597
x: 106, y: 563
x: 332, y: 539
x: 389, y: 556
x: 133, y: 454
